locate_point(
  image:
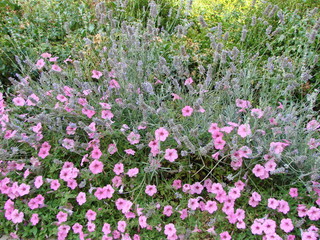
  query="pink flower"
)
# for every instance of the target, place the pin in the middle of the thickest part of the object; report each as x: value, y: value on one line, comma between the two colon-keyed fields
x: 24, y: 189
x: 256, y: 112
x: 122, y: 226
x: 243, y: 103
x: 269, y: 226
x: 270, y: 166
x: 130, y: 151
x: 193, y: 203
x: 53, y: 59
x: 46, y: 55
x: 196, y: 188
x: 273, y: 121
x: 215, y: 156
x: 71, y: 129
x: 34, y: 219
x: 81, y: 198
x: 62, y: 217
x: 151, y: 190
x: 133, y: 138
x: 187, y: 111
x: 183, y: 213
x: 56, y: 68
x: 189, y: 81
x: 118, y: 168
x: 91, y: 226
x: 286, y: 225
x: 43, y: 152
x: 143, y: 221
x: 313, y: 125
x: 302, y: 210
x: 226, y: 129
x: 277, y: 147
x: 89, y: 113
x: 19, y: 101
x: 217, y: 134
x: 161, y: 134
x: 293, y: 192
x: 309, y: 236
x: 106, y: 229
x: 96, y: 74
x: 37, y: 128
x: 291, y: 237
x: 112, y: 148
x: 314, y: 213
x: 176, y: 184
x: 106, y: 114
x: 244, y: 130
x: 167, y: 210
x: 225, y: 236
x: 175, y: 96
x: 211, y: 206
x: 258, y: 170
x: 96, y: 153
x: 109, y: 191
x: 62, y: 98
x: 96, y: 167
x: 256, y: 228
x: 68, y: 143
x: 283, y: 207
x: 123, y: 205
x: 38, y: 182
x: 40, y: 63
x: 273, y: 203
x: 219, y: 143
x: 170, y: 229
x: 77, y: 228
x: 100, y: 193
x: 133, y: 172
x: 116, y: 181
x: 114, y: 84
x: 213, y: 128
x: 171, y: 155
x: 254, y: 199
x: 91, y: 215
x: 234, y: 193
x: 17, y: 217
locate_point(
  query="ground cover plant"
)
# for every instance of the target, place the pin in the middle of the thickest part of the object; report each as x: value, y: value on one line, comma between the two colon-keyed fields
x: 163, y: 126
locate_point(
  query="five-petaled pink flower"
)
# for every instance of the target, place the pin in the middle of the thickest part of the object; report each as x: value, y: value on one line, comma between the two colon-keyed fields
x: 187, y: 111
x: 81, y: 198
x: 171, y: 155
x: 56, y: 68
x: 96, y: 74
x: 151, y: 190
x: 19, y: 101
x: 161, y: 134
x: 96, y: 167
x: 244, y: 130
x: 40, y: 63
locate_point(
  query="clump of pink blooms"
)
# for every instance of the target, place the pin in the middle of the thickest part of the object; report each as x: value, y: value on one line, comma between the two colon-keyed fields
x: 91, y: 177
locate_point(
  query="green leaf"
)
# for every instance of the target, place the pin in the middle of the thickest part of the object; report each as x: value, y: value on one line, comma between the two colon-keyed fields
x: 91, y: 27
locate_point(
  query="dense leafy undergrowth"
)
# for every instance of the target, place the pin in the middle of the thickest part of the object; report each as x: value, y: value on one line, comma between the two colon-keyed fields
x: 166, y: 128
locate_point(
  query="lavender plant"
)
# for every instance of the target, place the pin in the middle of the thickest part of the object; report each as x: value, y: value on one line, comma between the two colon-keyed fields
x: 128, y: 140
